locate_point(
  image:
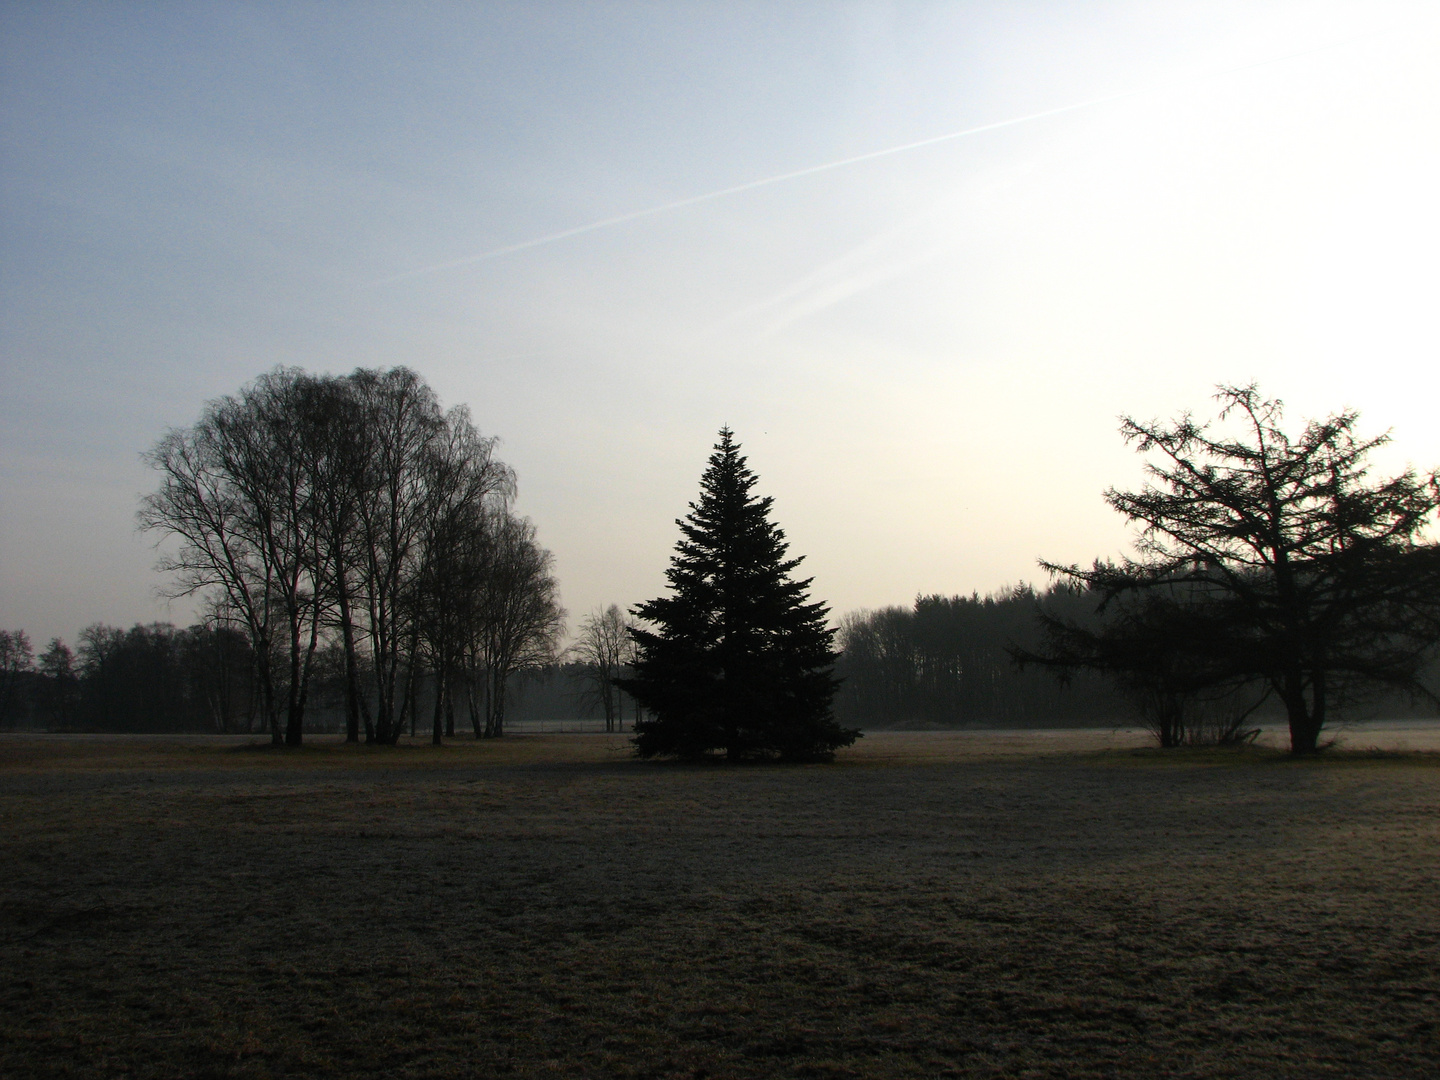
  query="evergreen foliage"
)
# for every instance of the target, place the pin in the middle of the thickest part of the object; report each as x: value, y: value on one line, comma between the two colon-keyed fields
x: 942, y: 662
x: 740, y: 660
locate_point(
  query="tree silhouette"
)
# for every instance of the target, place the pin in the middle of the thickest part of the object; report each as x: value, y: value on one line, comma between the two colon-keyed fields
x: 1268, y: 559
x: 739, y: 660
x: 17, y: 661
x: 604, y: 650
x: 318, y: 507
x: 60, y: 682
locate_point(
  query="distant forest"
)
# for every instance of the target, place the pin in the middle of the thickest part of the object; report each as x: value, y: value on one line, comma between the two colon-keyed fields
x: 942, y: 662
x: 157, y: 678
x: 946, y: 662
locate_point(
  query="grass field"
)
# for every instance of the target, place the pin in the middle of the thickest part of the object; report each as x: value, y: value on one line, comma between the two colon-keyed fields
x: 1045, y: 905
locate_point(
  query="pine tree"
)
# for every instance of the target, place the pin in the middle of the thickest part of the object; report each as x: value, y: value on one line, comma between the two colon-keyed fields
x: 739, y: 659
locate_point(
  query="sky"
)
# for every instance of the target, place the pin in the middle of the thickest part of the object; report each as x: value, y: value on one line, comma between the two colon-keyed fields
x: 610, y: 229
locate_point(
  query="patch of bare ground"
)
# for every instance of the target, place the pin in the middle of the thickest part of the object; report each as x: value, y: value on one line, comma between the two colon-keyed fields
x: 544, y: 906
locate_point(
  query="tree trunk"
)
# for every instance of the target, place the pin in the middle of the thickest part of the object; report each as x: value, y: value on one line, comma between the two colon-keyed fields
x: 265, y: 676
x: 1304, y: 732
x: 300, y: 693
x: 412, y: 701
x: 1306, y: 724
x: 407, y: 699
x: 412, y: 686
x: 495, y: 703
x: 294, y: 718
x: 387, y: 676
x: 1305, y: 719
x: 352, y: 672
x: 437, y: 728
x: 475, y: 708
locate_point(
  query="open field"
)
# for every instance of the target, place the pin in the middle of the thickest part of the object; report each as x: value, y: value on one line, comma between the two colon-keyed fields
x: 1004, y: 904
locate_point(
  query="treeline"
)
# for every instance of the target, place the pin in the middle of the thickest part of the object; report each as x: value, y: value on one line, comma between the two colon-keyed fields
x: 939, y: 663
x: 150, y: 678
x: 943, y: 662
x: 158, y: 678
x: 352, y: 517
x: 948, y: 661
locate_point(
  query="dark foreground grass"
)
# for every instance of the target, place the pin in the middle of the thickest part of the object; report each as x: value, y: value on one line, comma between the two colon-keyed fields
x: 550, y: 908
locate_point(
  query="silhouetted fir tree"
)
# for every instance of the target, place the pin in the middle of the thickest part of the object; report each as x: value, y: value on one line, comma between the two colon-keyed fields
x: 739, y: 659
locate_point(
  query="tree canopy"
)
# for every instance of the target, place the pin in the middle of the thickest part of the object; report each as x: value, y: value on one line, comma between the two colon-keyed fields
x: 353, y: 509
x: 739, y: 660
x: 1266, y: 562
x: 604, y: 650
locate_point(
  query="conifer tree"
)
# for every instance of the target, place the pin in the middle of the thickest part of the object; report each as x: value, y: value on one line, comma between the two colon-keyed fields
x: 739, y: 660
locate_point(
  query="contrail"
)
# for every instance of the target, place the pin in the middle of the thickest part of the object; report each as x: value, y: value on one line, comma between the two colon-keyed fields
x: 751, y: 185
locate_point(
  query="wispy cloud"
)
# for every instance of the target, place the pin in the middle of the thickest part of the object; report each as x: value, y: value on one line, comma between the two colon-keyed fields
x: 840, y: 163
x: 883, y: 257
x: 751, y: 185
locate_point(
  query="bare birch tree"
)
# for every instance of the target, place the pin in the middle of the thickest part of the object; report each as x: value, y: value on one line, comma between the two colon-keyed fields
x: 521, y: 619
x: 400, y: 417
x: 605, y: 649
x: 317, y: 507
x: 469, y: 489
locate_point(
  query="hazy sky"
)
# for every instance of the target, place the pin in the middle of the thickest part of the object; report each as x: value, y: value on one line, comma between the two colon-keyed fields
x: 924, y: 353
